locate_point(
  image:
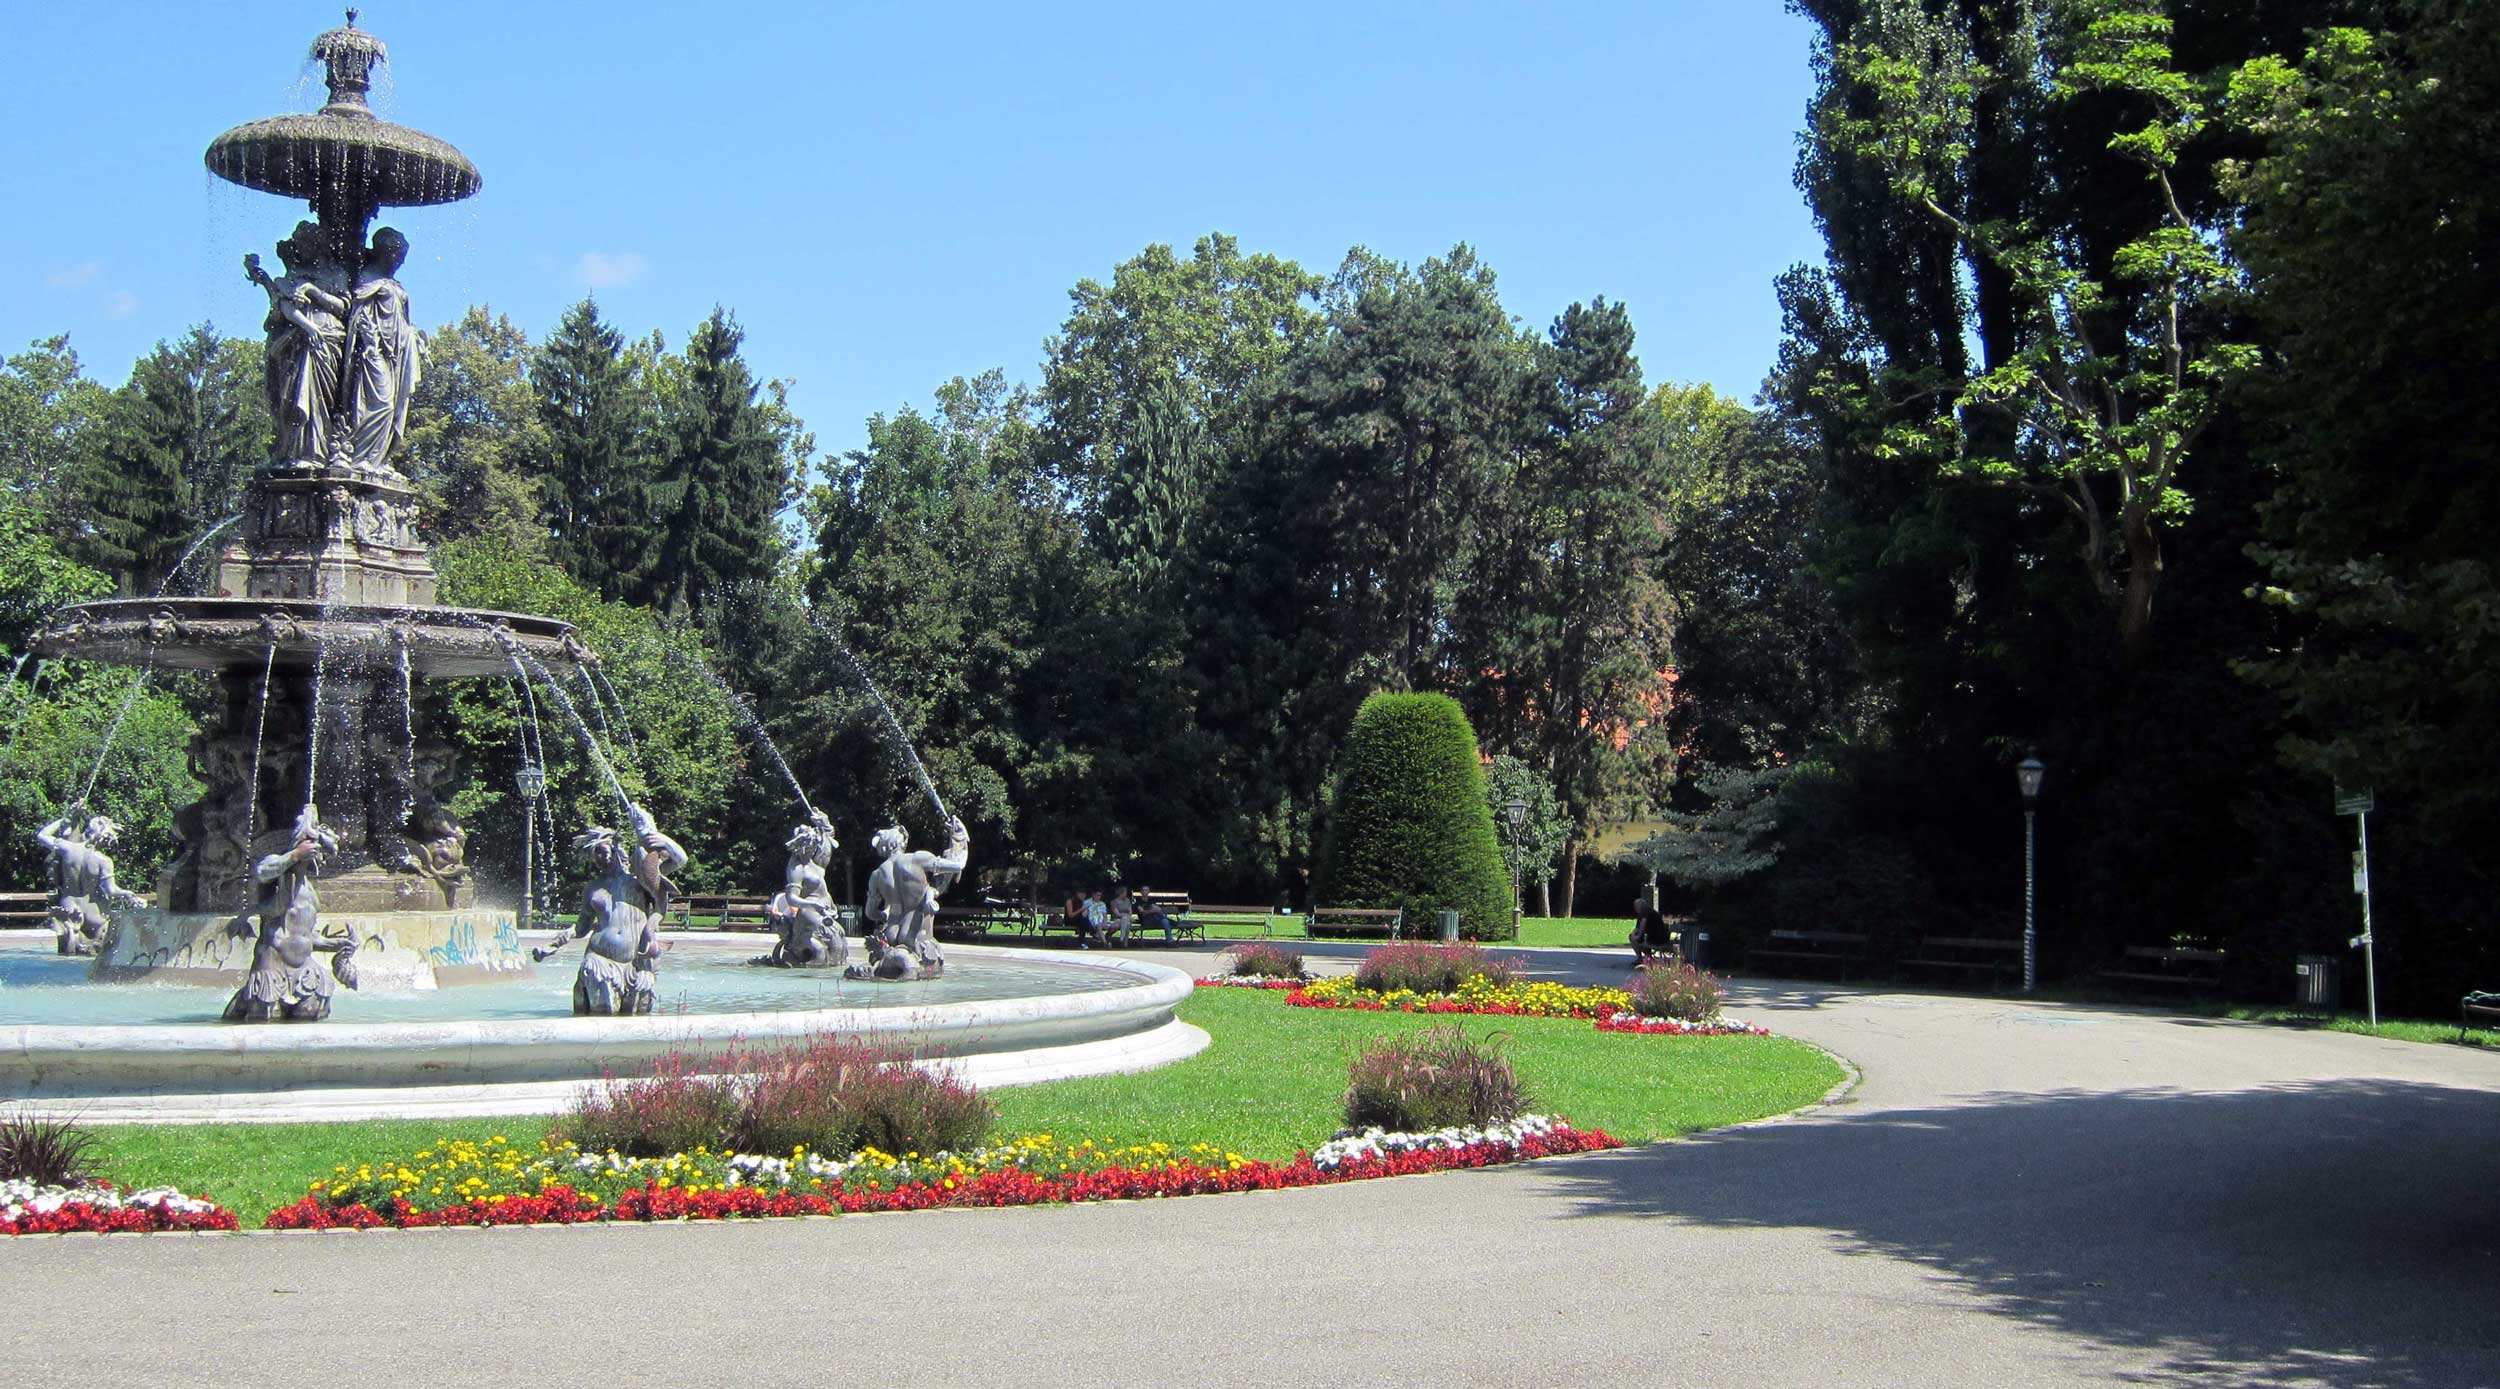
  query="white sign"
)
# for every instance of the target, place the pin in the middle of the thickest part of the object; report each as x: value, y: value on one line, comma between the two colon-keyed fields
x: 2355, y: 803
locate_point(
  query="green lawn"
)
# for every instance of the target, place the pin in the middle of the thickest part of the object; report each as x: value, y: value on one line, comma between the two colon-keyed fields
x: 2396, y: 1029
x: 1269, y: 1086
x: 1533, y: 930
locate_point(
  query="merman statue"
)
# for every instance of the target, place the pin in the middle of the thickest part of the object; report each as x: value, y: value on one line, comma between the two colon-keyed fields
x: 628, y: 895
x: 902, y: 901
x: 83, y: 890
x: 286, y: 984
x: 802, y: 913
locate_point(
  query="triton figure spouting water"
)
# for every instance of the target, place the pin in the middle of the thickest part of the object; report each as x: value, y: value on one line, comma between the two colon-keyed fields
x: 802, y: 915
x: 628, y: 894
x: 83, y: 890
x: 902, y: 902
x: 286, y: 984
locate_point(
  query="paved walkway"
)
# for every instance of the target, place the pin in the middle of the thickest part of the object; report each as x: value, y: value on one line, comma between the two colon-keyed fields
x: 2016, y: 1194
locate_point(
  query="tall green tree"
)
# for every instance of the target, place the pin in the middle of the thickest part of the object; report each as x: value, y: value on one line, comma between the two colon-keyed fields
x: 167, y: 457
x: 731, y: 446
x: 47, y: 402
x: 474, y: 431
x: 593, y: 456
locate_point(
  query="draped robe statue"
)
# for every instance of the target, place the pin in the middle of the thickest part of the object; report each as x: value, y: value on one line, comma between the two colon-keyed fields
x: 307, y: 342
x: 383, y: 352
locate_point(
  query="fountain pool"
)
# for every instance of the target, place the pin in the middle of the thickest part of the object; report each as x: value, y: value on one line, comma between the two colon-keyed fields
x: 143, y: 1052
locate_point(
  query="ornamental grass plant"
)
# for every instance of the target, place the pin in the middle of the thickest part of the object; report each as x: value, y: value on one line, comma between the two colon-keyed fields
x: 1433, y: 1079
x: 46, y: 1152
x: 1266, y: 961
x: 1677, y: 990
x: 1432, y: 969
x: 827, y: 1094
x: 840, y: 1095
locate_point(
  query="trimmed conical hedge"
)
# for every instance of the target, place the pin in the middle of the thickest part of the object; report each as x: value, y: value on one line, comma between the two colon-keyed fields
x: 1412, y: 828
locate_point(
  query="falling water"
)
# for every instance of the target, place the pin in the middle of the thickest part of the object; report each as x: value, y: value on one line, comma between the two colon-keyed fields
x: 755, y: 724
x: 534, y: 754
x: 408, y: 728
x: 598, y: 706
x: 900, y: 740
x: 573, y: 716
x: 14, y: 668
x: 194, y: 548
x: 312, y: 715
x: 624, y: 725
x: 130, y: 696
x: 260, y: 729
x: 34, y: 687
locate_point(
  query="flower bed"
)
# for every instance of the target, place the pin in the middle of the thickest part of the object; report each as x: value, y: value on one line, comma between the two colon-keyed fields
x: 100, y: 1208
x: 494, y: 1183
x: 1609, y: 1009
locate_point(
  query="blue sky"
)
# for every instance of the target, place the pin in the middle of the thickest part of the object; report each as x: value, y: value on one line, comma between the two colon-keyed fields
x: 891, y: 194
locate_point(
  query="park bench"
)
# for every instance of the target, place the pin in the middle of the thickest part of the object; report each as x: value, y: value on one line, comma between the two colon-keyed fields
x: 1357, y: 921
x: 1844, y: 949
x: 978, y: 919
x: 726, y: 911
x: 2478, y: 1007
x: 25, y: 909
x: 1997, y: 957
x: 1205, y: 916
x: 2172, y: 966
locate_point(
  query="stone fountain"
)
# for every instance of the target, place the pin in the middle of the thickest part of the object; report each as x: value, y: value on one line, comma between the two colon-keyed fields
x: 321, y: 619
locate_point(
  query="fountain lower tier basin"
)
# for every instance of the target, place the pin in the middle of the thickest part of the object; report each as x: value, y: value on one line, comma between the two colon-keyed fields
x: 226, y: 633
x: 150, y: 1054
x: 396, y: 951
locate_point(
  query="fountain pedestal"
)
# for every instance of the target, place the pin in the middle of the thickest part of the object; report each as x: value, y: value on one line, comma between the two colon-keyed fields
x: 395, y: 949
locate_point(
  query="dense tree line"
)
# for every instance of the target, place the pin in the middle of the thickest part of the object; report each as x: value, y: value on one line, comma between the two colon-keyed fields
x: 2135, y: 415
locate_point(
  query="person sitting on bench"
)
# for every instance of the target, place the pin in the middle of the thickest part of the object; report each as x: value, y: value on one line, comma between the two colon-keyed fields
x: 1650, y: 937
x: 1154, y: 917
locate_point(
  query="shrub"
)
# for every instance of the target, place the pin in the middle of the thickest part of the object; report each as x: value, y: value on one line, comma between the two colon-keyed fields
x: 1673, y: 989
x: 668, y: 1111
x: 1434, y: 1079
x: 1432, y: 969
x: 1410, y: 826
x: 829, y: 1094
x: 1269, y: 961
x: 840, y: 1094
x: 47, y: 1152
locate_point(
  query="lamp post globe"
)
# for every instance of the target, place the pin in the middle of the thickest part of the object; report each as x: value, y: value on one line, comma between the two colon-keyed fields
x: 531, y: 781
x: 2027, y: 776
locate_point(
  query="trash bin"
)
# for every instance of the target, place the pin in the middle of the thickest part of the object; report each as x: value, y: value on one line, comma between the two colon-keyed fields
x: 1449, y: 926
x: 1697, y: 948
x: 2320, y: 981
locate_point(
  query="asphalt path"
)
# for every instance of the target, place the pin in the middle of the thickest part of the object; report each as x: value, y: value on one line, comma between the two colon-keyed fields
x: 2011, y: 1194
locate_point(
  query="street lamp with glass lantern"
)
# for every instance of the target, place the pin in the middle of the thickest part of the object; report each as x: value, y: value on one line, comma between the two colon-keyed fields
x: 2027, y: 776
x: 1517, y: 813
x: 532, y: 782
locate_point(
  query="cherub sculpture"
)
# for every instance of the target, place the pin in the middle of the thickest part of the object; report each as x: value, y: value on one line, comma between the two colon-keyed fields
x: 83, y: 890
x: 286, y: 984
x: 902, y: 902
x: 802, y: 913
x: 628, y: 894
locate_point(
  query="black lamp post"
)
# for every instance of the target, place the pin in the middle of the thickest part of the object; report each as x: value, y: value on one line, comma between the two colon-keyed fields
x: 2027, y: 775
x: 1517, y: 813
x: 532, y: 782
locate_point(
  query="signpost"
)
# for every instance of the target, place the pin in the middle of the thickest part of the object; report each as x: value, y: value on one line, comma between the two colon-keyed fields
x: 2359, y: 805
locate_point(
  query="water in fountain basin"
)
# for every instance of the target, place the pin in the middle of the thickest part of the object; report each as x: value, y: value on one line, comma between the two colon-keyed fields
x: 897, y: 738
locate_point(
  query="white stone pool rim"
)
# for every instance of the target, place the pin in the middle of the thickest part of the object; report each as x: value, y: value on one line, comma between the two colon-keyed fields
x: 199, y: 1073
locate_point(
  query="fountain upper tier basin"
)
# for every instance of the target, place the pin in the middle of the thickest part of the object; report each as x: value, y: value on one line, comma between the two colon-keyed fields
x: 311, y: 156
x: 214, y: 634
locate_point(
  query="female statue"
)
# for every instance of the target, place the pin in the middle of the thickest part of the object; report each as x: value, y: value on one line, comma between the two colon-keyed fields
x: 307, y: 338
x: 285, y: 984
x: 621, y: 910
x: 383, y: 349
x: 802, y: 913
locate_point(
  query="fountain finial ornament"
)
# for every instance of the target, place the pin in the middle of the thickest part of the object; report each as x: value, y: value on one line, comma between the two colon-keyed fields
x: 802, y: 915
x: 902, y: 902
x: 83, y: 890
x: 628, y: 895
x: 286, y: 985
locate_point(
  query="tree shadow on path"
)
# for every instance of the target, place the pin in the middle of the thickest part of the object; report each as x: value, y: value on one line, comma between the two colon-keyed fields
x: 2339, y: 1232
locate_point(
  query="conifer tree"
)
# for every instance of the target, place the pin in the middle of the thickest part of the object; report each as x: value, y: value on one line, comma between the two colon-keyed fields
x: 592, y: 463
x: 727, y: 475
